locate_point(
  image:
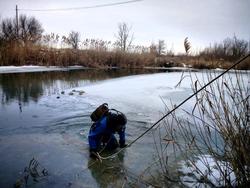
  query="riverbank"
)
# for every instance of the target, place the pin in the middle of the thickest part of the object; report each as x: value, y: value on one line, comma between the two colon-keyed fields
x: 17, y: 55
x: 35, y: 68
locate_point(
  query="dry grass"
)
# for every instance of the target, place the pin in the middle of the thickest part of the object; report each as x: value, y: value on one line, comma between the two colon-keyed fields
x: 218, y: 127
x: 16, y: 54
x: 13, y: 53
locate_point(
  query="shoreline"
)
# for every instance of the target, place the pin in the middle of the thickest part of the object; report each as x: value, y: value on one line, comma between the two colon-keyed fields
x: 35, y: 68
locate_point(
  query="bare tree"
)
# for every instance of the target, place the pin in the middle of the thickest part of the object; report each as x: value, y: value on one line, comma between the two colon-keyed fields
x: 30, y: 29
x: 227, y: 45
x: 153, y: 49
x: 229, y: 49
x: 249, y: 46
x: 161, y: 47
x: 73, y: 39
x: 7, y: 31
x: 50, y: 40
x: 239, y: 47
x: 124, y: 38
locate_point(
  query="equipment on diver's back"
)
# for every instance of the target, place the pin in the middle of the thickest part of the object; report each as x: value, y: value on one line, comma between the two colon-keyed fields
x: 99, y: 112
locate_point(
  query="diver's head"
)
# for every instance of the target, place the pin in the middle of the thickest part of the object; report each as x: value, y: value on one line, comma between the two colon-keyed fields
x: 116, y: 121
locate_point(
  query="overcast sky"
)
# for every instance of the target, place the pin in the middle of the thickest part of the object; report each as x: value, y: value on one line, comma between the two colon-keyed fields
x: 204, y: 22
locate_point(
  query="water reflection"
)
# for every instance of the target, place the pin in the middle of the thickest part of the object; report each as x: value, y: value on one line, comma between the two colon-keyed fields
x: 25, y: 87
x: 20, y: 87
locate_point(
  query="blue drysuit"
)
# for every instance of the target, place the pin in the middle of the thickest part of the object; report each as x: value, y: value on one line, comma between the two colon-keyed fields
x: 100, y: 133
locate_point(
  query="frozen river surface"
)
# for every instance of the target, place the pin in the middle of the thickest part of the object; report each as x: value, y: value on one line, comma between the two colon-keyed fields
x: 45, y: 115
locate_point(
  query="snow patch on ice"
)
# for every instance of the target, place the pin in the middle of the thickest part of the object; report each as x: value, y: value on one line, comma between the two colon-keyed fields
x: 33, y: 68
x: 205, y: 167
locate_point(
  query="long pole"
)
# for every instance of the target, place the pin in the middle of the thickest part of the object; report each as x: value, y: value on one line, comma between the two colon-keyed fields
x: 17, y: 26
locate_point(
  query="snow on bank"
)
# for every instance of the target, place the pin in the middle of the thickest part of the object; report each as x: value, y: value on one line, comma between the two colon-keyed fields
x: 206, y: 167
x: 32, y: 68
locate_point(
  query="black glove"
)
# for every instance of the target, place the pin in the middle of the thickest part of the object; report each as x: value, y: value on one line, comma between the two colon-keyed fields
x: 93, y: 153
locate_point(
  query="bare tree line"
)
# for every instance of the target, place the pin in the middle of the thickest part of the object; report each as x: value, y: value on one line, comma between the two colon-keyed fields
x: 229, y: 49
x: 29, y: 33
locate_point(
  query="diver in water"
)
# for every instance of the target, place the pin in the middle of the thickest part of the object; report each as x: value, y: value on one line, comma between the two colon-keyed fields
x: 102, y: 132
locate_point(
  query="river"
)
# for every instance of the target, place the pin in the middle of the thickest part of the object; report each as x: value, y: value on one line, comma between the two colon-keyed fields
x: 45, y: 115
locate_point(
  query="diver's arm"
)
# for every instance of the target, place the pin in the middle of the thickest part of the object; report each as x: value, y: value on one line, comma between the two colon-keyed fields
x: 122, y: 137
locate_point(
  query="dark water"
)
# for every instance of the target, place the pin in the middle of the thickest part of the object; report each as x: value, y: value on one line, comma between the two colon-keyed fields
x: 46, y: 116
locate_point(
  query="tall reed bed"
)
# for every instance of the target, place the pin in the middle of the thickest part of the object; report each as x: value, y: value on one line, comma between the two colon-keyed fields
x: 208, y: 145
x: 16, y: 54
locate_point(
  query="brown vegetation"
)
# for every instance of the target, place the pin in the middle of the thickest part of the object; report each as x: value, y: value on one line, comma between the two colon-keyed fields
x: 212, y: 140
x: 26, y: 44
